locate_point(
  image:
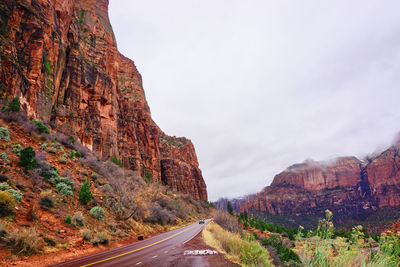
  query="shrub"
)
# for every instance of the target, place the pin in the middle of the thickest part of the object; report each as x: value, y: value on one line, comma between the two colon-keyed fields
x: 74, y: 154
x: 68, y: 220
x: 5, y: 186
x: 5, y: 134
x: 27, y: 158
x: 87, y: 234
x: 43, y: 147
x: 115, y: 160
x: 227, y: 221
x: 7, y: 203
x: 14, y: 192
x: 46, y: 202
x: 4, y: 157
x: 285, y: 254
x: 17, y: 149
x: 78, y: 219
x: 97, y: 212
x: 24, y: 242
x: 64, y: 189
x: 62, y: 160
x: 101, y: 238
x: 85, y: 195
x: 13, y: 106
x: 40, y: 127
x: 160, y: 215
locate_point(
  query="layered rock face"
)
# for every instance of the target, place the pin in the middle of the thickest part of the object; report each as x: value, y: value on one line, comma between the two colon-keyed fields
x: 60, y: 58
x: 352, y: 189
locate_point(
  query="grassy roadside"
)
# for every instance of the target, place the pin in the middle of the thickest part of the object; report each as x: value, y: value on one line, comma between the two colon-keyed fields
x: 238, y: 249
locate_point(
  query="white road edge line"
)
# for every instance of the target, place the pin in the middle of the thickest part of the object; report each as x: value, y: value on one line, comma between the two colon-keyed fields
x: 155, y: 256
x: 138, y: 263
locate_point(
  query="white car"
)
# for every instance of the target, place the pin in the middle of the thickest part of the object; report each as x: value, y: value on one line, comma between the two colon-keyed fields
x: 201, y: 221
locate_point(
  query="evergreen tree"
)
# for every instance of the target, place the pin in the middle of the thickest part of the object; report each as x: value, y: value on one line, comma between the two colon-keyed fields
x: 229, y: 208
x: 85, y: 195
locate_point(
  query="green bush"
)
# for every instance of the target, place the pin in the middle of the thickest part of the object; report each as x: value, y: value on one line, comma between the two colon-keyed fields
x: 285, y: 254
x: 17, y: 149
x: 41, y: 127
x: 74, y: 154
x: 64, y: 189
x: 116, y: 160
x: 5, y: 134
x: 68, y: 219
x: 7, y: 203
x: 4, y: 157
x: 43, y: 147
x: 97, y: 212
x: 13, y: 106
x: 14, y: 192
x: 85, y: 195
x: 27, y: 158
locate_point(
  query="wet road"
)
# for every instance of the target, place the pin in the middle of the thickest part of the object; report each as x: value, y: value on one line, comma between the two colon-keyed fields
x: 155, y: 251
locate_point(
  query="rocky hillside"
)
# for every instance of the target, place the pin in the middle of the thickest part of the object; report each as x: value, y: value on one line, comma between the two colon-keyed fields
x: 353, y: 190
x: 61, y: 59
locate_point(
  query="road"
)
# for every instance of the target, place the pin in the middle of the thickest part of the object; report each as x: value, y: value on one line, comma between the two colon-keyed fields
x: 155, y: 251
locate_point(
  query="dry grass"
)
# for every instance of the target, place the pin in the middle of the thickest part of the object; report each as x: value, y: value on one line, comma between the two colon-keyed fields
x: 24, y: 242
x: 240, y: 250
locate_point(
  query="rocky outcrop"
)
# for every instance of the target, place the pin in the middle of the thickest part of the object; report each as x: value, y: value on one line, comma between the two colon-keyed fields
x: 60, y: 58
x: 351, y: 188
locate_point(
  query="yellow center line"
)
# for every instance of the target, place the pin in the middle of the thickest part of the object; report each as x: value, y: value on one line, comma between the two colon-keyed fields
x: 129, y: 252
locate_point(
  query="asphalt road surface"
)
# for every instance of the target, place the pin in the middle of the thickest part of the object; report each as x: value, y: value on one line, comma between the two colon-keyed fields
x: 155, y: 251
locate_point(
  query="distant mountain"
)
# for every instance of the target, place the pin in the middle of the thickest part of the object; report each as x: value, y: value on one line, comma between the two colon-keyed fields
x: 354, y: 190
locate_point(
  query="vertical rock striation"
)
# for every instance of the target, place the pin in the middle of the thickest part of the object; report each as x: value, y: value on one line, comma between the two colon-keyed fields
x: 61, y: 59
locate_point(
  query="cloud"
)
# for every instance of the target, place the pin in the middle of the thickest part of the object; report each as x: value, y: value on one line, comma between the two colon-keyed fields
x: 260, y: 85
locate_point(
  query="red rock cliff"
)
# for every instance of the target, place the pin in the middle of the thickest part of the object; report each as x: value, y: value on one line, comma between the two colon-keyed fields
x: 350, y: 188
x: 61, y: 59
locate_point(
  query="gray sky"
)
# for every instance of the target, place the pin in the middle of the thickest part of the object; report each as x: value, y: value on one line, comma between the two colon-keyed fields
x: 260, y: 85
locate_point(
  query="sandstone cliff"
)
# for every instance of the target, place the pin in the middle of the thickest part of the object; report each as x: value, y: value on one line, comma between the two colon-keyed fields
x: 60, y: 58
x: 352, y: 189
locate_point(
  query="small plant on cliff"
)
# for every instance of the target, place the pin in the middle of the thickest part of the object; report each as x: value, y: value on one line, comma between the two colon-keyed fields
x: 41, y: 128
x: 85, y: 195
x: 13, y: 106
x: 17, y: 149
x: 5, y: 134
x: 115, y: 160
x: 97, y: 212
x: 68, y: 219
x: 27, y: 158
x: 4, y: 157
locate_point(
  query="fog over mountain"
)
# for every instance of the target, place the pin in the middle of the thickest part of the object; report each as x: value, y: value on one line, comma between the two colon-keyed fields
x: 260, y: 85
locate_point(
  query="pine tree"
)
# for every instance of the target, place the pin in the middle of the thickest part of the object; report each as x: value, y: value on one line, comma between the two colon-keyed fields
x: 230, y: 208
x: 85, y: 195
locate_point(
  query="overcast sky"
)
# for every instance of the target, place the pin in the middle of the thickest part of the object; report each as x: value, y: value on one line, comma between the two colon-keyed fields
x: 261, y: 85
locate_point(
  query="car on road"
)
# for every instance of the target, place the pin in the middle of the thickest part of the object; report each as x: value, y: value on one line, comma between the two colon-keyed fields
x: 201, y: 221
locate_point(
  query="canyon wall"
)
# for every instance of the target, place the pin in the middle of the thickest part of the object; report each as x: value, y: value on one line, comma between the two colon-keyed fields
x: 61, y: 59
x: 351, y: 188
